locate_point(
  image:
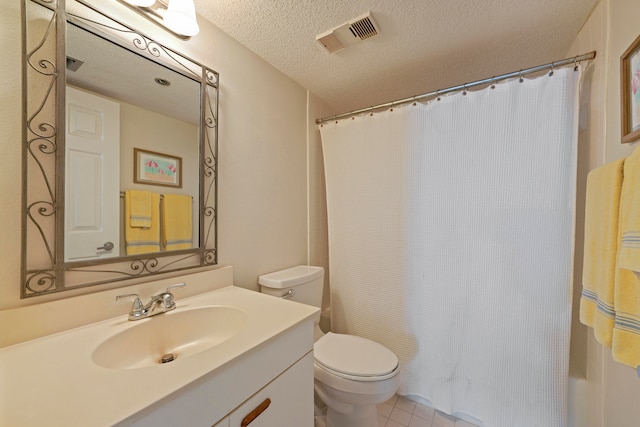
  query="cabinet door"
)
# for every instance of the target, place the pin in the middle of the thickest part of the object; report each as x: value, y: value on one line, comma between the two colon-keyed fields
x: 286, y: 401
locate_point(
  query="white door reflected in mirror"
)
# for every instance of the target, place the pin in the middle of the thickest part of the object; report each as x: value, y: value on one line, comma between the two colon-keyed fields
x: 92, y: 178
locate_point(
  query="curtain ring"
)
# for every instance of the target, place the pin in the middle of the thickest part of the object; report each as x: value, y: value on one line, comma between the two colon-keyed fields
x: 438, y: 95
x: 521, y: 78
x: 493, y: 82
x: 371, y: 111
x: 575, y: 63
x: 414, y: 101
x: 551, y: 72
x: 464, y: 89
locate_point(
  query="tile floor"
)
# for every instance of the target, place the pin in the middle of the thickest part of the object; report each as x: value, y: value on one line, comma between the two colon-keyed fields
x: 402, y: 412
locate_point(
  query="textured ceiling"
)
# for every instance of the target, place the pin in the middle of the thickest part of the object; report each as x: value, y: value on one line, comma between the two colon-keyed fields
x: 423, y: 45
x: 102, y: 72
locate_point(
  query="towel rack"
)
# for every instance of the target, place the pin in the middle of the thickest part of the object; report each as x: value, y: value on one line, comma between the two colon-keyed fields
x: 161, y: 196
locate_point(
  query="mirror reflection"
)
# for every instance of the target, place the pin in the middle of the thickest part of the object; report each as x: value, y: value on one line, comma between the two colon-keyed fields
x: 120, y: 150
x: 131, y: 155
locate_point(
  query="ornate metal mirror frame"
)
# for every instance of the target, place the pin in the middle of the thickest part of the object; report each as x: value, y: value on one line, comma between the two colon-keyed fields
x: 44, y: 270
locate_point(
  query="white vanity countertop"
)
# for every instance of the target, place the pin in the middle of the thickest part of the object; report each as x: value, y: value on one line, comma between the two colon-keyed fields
x: 53, y: 380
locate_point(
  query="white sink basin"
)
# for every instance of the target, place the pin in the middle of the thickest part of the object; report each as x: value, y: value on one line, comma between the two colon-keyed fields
x: 220, y: 335
x: 181, y: 333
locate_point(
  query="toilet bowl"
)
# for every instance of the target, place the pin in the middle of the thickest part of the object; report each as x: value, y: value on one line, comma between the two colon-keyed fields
x: 351, y: 374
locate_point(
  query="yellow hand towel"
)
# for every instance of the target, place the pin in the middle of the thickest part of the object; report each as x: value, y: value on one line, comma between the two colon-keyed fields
x: 143, y: 240
x: 139, y: 208
x: 176, y: 222
x: 600, y: 249
x: 626, y: 334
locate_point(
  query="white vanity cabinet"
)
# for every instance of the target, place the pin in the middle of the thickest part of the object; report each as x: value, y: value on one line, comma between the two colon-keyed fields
x: 271, y: 386
x: 269, y: 356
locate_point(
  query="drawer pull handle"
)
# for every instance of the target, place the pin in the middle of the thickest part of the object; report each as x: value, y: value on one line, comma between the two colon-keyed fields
x: 255, y: 413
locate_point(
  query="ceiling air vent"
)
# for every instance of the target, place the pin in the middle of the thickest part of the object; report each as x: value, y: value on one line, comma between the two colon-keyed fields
x: 363, y: 28
x: 356, y: 30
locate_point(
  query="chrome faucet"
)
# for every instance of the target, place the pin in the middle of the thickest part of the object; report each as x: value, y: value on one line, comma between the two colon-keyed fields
x: 159, y: 303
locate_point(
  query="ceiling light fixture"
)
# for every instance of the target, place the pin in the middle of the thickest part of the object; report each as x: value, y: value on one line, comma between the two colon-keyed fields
x: 141, y: 3
x: 162, y: 82
x: 178, y: 16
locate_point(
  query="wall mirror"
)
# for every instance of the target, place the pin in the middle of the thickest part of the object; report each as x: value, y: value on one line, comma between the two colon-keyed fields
x: 119, y: 152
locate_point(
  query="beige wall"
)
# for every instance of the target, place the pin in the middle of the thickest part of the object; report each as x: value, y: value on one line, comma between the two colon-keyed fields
x: 591, y: 139
x: 10, y: 147
x: 262, y: 201
x: 613, y: 388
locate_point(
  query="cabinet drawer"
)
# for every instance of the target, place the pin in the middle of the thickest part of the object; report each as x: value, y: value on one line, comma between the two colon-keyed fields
x: 285, y: 401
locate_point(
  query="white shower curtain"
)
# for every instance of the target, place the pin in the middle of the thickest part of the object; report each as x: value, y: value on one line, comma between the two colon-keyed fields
x: 451, y: 242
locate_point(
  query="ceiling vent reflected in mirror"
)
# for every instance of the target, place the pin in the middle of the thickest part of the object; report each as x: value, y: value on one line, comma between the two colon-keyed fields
x: 359, y: 29
x: 73, y: 64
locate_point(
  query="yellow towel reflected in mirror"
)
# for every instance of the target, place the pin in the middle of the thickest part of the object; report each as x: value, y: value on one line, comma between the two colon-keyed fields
x: 138, y: 239
x: 176, y: 222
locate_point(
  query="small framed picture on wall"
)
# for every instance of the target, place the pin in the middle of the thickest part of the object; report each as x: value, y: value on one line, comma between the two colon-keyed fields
x: 630, y: 96
x: 150, y: 167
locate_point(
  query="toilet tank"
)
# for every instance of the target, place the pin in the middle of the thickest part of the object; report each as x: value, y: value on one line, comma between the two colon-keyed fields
x: 302, y: 283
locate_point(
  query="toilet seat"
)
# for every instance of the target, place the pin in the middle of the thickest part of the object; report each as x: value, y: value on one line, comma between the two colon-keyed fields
x: 355, y: 358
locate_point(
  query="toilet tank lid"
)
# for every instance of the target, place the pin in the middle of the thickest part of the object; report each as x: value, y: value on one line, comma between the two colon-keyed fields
x: 291, y: 276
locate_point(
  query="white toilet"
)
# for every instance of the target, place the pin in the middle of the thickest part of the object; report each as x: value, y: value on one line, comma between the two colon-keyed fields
x: 352, y: 374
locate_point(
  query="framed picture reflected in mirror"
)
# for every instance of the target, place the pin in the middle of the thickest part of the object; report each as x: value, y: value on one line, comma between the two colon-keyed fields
x: 153, y: 168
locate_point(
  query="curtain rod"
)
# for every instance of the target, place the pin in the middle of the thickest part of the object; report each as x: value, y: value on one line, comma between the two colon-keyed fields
x: 549, y: 66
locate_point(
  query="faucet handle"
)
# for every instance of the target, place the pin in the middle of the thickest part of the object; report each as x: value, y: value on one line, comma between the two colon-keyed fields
x: 167, y: 296
x: 137, y: 307
x: 177, y: 285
